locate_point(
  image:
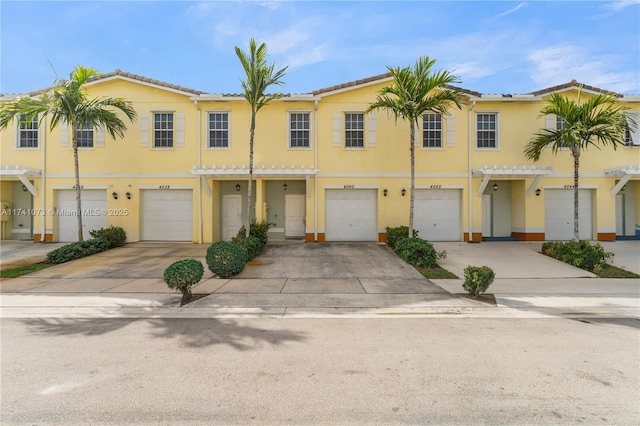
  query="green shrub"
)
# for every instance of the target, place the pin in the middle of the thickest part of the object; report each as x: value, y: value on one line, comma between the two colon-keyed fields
x: 252, y: 244
x: 226, y: 259
x: 182, y: 275
x: 114, y: 235
x: 578, y: 253
x: 77, y: 250
x: 477, y: 279
x: 417, y: 252
x: 395, y: 234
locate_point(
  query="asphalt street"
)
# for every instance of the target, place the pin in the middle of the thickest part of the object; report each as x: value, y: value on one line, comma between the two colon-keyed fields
x: 320, y: 371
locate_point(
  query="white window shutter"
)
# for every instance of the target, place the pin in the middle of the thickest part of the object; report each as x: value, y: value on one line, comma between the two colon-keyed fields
x: 336, y: 130
x: 98, y: 134
x: 635, y: 133
x: 64, y: 134
x: 179, y: 129
x: 550, y: 122
x: 451, y: 141
x: 144, y: 130
x: 418, y: 135
x: 371, y: 129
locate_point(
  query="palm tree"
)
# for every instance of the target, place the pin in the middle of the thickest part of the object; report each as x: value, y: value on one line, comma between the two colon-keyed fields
x: 415, y: 91
x: 260, y: 76
x: 598, y: 121
x: 67, y: 103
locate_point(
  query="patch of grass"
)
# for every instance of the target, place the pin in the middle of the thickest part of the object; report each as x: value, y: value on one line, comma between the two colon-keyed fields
x: 436, y: 272
x: 24, y: 269
x: 610, y: 271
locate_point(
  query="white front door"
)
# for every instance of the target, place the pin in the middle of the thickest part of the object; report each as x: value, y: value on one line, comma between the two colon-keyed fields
x: 487, y: 215
x: 294, y: 207
x: 231, y: 215
x: 620, y: 222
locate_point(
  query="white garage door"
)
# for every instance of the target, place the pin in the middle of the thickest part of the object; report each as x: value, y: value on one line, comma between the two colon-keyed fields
x: 351, y: 215
x: 94, y: 209
x: 167, y: 215
x: 558, y: 214
x: 436, y: 214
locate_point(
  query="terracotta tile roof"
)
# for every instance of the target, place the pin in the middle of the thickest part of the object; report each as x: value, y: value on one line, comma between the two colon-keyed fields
x: 373, y: 79
x: 572, y: 83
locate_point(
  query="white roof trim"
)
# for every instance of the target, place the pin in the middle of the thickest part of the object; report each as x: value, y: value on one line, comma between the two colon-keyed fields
x: 219, y: 97
x: 512, y: 171
x: 353, y: 87
x: 258, y: 171
x: 624, y: 170
x: 19, y: 171
x: 137, y: 81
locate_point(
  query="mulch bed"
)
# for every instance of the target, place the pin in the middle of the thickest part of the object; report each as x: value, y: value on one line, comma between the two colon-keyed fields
x: 484, y: 298
x: 193, y: 298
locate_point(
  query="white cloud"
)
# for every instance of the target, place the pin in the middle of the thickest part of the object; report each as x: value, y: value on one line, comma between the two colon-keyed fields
x: 561, y: 63
x: 617, y: 6
x: 510, y: 11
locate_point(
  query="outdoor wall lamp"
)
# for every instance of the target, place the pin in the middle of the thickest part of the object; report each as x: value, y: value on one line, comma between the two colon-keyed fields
x: 237, y: 187
x: 495, y: 186
x: 538, y: 191
x: 404, y: 191
x: 285, y: 186
x: 384, y: 192
x: 128, y: 194
x: 24, y: 188
x: 114, y: 195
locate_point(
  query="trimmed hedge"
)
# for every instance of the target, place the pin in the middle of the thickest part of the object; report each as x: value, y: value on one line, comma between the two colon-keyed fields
x: 77, y: 250
x: 114, y: 235
x: 417, y: 252
x: 252, y: 244
x: 226, y: 259
x: 397, y: 233
x: 477, y: 279
x: 578, y: 253
x: 181, y: 275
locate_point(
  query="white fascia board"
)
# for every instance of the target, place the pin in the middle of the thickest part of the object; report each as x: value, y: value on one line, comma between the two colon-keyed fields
x: 630, y: 170
x: 513, y: 171
x: 218, y: 97
x: 502, y: 98
x: 19, y: 171
x: 349, y: 88
x: 143, y: 83
x: 630, y: 98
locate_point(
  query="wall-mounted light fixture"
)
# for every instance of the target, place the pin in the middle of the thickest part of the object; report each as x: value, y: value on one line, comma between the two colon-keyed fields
x: 237, y: 187
x: 24, y: 188
x: 114, y: 195
x: 285, y: 186
x: 384, y: 192
x: 495, y: 186
x: 621, y: 189
x: 128, y: 194
x: 538, y: 191
x: 404, y: 191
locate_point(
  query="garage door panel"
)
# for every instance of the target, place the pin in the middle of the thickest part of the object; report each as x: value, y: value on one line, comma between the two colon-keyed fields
x: 559, y: 214
x: 91, y: 200
x: 437, y: 214
x: 351, y: 215
x: 167, y: 215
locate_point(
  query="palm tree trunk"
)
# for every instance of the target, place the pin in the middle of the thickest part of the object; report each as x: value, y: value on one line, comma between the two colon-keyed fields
x: 76, y: 164
x: 576, y: 174
x: 250, y: 184
x: 413, y: 176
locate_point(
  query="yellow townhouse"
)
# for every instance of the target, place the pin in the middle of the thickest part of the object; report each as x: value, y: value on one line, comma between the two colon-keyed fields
x: 323, y: 170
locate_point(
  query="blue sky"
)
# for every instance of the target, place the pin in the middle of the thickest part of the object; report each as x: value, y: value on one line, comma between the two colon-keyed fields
x: 494, y: 47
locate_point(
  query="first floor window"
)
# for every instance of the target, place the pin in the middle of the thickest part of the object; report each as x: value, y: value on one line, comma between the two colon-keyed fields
x: 432, y: 131
x: 28, y: 132
x: 218, y: 130
x: 299, y: 129
x: 163, y: 130
x: 486, y: 127
x: 354, y: 130
x: 84, y: 137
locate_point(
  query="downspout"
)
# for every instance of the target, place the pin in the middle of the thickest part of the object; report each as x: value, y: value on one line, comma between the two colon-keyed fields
x: 199, y: 166
x: 315, y: 178
x: 469, y: 177
x: 43, y: 180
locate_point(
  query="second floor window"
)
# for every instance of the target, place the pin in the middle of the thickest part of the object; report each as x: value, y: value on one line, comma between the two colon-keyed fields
x: 163, y: 130
x: 84, y: 137
x: 299, y: 130
x: 218, y: 130
x: 354, y: 130
x: 432, y: 131
x: 487, y: 130
x: 28, y: 133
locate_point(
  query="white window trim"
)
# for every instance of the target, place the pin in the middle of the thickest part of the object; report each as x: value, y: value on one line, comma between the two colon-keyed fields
x: 364, y: 132
x: 219, y: 148
x: 153, y: 131
x: 443, y: 132
x: 475, y: 129
x: 299, y: 148
x: 93, y: 140
x: 18, y: 131
x: 635, y: 133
